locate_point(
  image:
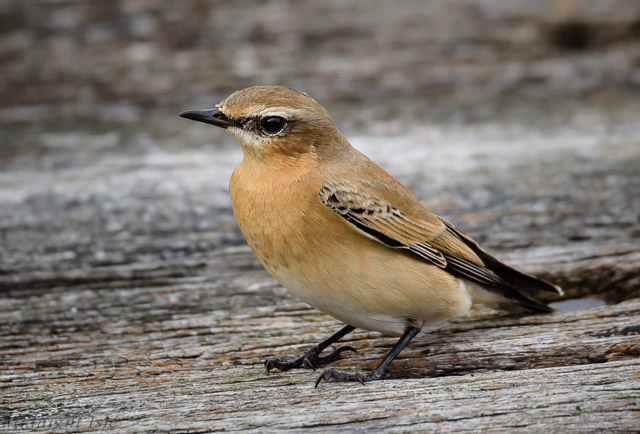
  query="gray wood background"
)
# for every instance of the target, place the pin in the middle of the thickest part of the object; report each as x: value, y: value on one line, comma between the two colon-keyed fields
x: 129, y: 301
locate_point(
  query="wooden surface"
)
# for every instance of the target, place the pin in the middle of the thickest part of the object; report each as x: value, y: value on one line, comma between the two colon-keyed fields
x: 186, y: 354
x: 129, y: 302
x: 154, y: 365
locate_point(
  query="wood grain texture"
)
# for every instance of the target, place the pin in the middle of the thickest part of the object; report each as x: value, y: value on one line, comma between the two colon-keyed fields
x: 137, y: 307
x: 128, y: 302
x: 187, y: 354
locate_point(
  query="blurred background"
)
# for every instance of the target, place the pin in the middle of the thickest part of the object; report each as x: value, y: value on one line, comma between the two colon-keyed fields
x: 477, y: 105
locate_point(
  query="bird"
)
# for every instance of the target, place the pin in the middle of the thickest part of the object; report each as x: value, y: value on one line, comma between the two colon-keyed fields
x: 345, y: 236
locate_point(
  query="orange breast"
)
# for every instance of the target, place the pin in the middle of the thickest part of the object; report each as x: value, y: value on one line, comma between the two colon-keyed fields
x: 275, y: 212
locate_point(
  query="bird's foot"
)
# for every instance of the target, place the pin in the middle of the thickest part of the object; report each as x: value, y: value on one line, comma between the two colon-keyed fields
x: 332, y: 375
x: 310, y: 359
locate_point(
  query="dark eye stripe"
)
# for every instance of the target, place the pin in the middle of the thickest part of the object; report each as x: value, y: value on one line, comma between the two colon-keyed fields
x: 254, y: 124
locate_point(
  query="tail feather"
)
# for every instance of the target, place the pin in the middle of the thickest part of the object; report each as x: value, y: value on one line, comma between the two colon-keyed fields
x: 510, y: 275
x: 497, y: 277
x: 491, y: 297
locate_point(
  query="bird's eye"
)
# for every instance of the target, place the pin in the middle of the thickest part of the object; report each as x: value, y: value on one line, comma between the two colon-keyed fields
x: 273, y: 124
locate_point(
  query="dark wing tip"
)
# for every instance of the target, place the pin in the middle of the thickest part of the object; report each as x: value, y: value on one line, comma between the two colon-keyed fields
x: 509, y: 274
x: 524, y: 300
x: 559, y: 290
x: 492, y: 282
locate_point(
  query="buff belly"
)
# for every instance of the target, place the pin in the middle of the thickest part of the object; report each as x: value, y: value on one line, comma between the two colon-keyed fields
x: 373, y: 288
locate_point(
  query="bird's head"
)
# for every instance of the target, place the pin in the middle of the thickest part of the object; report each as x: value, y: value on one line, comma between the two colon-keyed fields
x: 274, y: 121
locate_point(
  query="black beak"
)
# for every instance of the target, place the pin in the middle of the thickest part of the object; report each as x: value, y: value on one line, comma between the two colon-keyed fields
x: 212, y: 116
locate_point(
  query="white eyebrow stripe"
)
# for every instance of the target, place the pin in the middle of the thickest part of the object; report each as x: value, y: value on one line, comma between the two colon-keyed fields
x: 283, y: 112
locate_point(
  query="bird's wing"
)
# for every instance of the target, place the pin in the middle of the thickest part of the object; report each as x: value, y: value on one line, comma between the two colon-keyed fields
x: 427, y: 237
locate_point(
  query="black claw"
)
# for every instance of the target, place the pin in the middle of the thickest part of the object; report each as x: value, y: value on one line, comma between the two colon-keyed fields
x: 269, y: 364
x: 345, y: 348
x: 309, y: 359
x: 282, y: 365
x: 332, y: 375
x: 308, y: 363
x: 334, y: 355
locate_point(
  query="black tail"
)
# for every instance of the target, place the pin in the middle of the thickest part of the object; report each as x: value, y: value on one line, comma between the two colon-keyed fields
x: 492, y: 282
x: 498, y: 277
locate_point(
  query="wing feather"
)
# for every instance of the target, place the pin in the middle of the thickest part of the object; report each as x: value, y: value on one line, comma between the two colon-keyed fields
x: 440, y: 245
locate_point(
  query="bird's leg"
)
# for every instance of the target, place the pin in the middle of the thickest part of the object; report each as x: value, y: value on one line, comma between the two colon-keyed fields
x: 332, y: 375
x: 311, y: 358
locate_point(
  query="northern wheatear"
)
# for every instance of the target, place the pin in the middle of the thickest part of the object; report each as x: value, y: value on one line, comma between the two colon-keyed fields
x: 345, y: 236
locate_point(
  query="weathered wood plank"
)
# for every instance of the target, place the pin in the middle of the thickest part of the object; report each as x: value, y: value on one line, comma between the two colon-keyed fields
x: 143, y: 364
x: 152, y: 323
